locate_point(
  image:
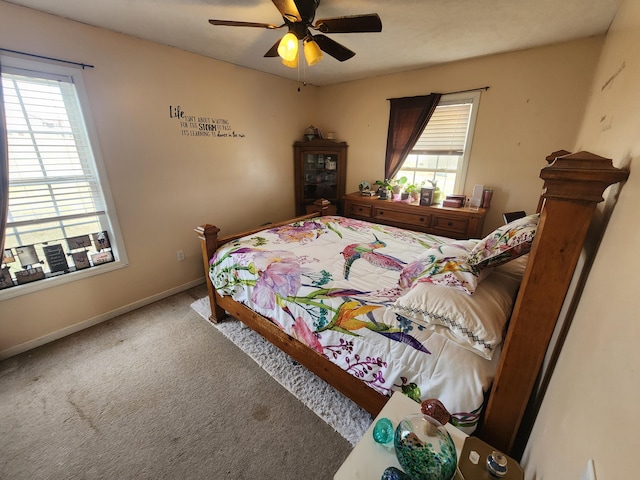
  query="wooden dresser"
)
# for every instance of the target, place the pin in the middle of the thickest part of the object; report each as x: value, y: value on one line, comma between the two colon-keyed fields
x: 448, y: 222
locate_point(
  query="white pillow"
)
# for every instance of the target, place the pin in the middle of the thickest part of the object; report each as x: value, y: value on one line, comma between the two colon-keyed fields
x: 475, y: 322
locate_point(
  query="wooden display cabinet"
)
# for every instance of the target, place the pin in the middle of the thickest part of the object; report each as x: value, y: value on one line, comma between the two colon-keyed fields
x: 320, y: 168
x: 459, y: 223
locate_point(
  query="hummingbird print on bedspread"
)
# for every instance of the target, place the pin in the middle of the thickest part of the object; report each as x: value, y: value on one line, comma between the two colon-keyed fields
x: 366, y: 251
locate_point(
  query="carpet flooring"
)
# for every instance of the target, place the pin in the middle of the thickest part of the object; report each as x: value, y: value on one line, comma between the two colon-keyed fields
x: 345, y: 416
x: 156, y: 394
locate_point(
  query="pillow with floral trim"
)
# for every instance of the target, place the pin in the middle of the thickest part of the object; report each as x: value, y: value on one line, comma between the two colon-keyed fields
x: 474, y: 322
x: 505, y: 243
x: 444, y: 265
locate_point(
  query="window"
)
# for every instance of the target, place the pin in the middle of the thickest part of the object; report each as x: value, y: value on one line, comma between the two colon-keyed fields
x: 442, y: 151
x: 56, y: 187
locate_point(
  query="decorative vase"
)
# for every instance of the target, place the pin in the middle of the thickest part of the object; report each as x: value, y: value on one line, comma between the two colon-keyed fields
x: 437, y: 195
x: 425, y: 449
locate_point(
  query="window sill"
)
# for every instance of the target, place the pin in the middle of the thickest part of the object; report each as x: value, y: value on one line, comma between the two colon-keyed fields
x: 27, y: 288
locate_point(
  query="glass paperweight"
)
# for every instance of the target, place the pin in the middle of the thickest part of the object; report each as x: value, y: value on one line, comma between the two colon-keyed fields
x: 424, y: 448
x: 434, y: 408
x: 383, y: 431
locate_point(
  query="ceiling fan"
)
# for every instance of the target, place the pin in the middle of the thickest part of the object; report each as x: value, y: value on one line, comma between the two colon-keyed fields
x: 298, y: 16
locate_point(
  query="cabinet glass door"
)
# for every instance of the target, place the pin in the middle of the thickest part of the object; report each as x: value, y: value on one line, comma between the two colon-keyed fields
x: 320, y: 176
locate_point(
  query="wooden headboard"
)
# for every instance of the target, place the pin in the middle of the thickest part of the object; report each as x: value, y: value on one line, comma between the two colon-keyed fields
x: 573, y: 186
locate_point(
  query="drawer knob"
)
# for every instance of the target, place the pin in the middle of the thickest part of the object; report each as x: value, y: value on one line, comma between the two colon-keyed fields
x: 449, y: 224
x: 422, y: 219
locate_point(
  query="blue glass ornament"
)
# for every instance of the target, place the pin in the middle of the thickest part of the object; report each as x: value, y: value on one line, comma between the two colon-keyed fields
x: 392, y: 473
x: 383, y: 431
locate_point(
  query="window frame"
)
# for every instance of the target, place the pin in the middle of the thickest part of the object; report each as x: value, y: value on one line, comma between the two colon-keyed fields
x: 472, y: 97
x: 111, y: 218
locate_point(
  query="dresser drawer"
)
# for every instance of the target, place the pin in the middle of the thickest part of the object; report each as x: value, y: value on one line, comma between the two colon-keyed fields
x: 434, y: 219
x: 359, y: 209
x: 450, y: 224
x: 409, y: 218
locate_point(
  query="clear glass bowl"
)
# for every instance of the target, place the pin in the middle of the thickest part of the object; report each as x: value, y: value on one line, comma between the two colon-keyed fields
x: 425, y: 449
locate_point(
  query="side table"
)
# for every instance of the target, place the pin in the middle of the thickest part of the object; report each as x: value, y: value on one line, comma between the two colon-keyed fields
x: 368, y: 459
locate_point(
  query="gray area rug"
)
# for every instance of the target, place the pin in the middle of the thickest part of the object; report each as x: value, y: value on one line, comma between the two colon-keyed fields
x: 156, y: 394
x: 345, y: 416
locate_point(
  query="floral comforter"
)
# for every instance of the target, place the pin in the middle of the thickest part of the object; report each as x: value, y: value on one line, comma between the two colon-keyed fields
x: 330, y: 282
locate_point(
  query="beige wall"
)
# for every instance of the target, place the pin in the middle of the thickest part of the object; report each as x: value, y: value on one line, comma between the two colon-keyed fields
x: 533, y: 107
x: 163, y: 183
x: 589, y: 411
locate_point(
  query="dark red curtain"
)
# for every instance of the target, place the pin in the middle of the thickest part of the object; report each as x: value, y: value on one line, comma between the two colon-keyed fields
x: 407, y: 119
x: 4, y: 171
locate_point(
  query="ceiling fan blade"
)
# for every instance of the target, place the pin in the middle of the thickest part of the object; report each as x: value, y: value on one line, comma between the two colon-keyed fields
x: 307, y: 9
x: 273, y: 51
x: 333, y: 48
x: 288, y: 9
x: 356, y: 23
x: 233, y: 23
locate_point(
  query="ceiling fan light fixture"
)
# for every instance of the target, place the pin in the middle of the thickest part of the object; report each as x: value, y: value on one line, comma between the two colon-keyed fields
x: 312, y: 52
x: 288, y: 47
x: 293, y: 63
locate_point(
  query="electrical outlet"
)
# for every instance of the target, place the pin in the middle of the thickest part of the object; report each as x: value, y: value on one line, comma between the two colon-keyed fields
x: 180, y: 255
x: 589, y: 472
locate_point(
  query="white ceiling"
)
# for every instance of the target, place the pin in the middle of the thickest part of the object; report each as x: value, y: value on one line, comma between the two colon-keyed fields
x: 415, y: 33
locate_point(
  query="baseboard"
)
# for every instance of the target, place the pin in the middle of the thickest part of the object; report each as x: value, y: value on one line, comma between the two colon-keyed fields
x: 37, y: 342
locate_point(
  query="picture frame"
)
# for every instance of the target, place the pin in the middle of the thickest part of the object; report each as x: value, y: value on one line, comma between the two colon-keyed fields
x: 56, y: 258
x: 101, y: 240
x: 7, y: 256
x: 81, y: 260
x: 81, y: 241
x: 426, y: 196
x: 101, y: 257
x: 5, y: 278
x: 29, y: 275
x: 27, y: 255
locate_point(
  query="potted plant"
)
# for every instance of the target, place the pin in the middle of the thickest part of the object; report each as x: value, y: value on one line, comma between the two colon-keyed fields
x: 394, y: 186
x: 437, y: 193
x: 414, y: 191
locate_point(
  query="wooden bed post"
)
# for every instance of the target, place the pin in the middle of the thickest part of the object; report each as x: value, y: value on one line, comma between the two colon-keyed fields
x: 573, y: 186
x: 209, y: 243
x: 208, y: 235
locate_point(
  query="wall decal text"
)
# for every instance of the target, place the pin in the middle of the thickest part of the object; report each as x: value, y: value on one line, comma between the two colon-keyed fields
x: 200, y: 126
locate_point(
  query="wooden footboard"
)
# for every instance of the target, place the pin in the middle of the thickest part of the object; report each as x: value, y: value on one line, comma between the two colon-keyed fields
x: 210, y: 242
x: 358, y: 391
x: 221, y: 307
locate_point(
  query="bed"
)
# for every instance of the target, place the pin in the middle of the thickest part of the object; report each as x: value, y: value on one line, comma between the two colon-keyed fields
x: 372, y: 309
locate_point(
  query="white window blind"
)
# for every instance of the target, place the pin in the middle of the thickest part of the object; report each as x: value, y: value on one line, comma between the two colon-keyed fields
x: 446, y: 132
x: 50, y: 160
